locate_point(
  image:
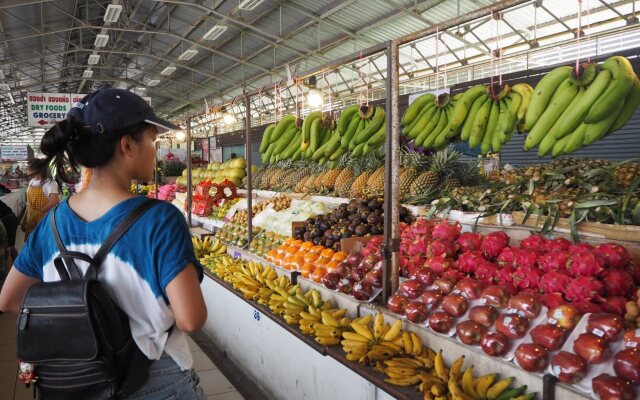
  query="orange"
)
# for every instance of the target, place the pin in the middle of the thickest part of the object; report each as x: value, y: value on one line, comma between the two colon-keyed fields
x: 271, y: 255
x: 340, y: 256
x: 332, y: 265
x: 277, y: 260
x: 311, y: 257
x: 289, y: 240
x: 293, y: 249
x: 318, y: 273
x: 317, y: 249
x: 306, y: 246
x: 287, y: 262
x: 297, y: 243
x: 321, y: 262
x: 327, y: 253
x: 298, y: 262
x: 306, y: 270
x: 282, y: 248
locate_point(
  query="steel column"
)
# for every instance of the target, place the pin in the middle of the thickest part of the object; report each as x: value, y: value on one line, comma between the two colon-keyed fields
x: 247, y: 153
x: 189, y: 184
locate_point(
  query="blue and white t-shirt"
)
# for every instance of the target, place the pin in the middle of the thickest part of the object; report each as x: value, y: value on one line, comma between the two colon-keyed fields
x: 136, y: 271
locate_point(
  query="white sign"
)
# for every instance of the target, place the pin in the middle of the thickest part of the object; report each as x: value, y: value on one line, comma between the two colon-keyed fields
x: 45, y: 109
x: 14, y: 153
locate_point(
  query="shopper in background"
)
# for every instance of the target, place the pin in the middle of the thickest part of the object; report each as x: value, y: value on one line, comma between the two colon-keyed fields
x: 42, y: 193
x: 152, y: 271
x: 10, y: 223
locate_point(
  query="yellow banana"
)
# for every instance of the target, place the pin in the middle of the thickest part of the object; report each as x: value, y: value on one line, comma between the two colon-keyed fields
x: 364, y: 320
x: 393, y: 346
x: 328, y: 319
x: 483, y: 384
x: 362, y: 330
x: 456, y: 368
x: 497, y: 388
x: 408, y: 381
x: 467, y: 384
x: 416, y: 344
x: 355, y: 337
x: 378, y: 325
x: 327, y: 341
x: 393, y: 332
x: 408, y: 344
x: 441, y: 371
x: 456, y: 391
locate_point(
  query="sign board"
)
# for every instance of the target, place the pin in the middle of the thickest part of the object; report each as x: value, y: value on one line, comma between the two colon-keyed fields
x: 14, y: 153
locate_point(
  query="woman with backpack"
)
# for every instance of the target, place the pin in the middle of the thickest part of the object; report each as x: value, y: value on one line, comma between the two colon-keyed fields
x: 151, y: 272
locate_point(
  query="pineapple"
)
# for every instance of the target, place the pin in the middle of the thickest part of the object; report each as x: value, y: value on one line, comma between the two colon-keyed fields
x: 442, y: 163
x: 375, y: 183
x: 450, y: 184
x: 343, y: 181
x: 359, y: 187
x: 329, y: 179
x: 308, y: 186
x: 413, y: 164
x: 626, y: 173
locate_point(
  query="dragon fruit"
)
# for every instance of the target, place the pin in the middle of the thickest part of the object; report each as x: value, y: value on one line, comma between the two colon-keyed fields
x: 554, y: 281
x: 527, y: 277
x: 553, y: 261
x: 507, y: 257
x: 585, y: 264
x: 493, y: 244
x: 534, y: 243
x: 469, y: 241
x: 469, y: 261
x: 584, y: 288
x: 446, y: 231
x: 486, y: 272
x: 586, y: 306
x: 418, y: 246
x: 618, y: 282
x: 553, y: 300
x: 439, y: 264
x: 526, y: 258
x: 420, y: 228
x: 505, y: 275
x: 580, y: 248
x: 634, y: 270
x: 453, y: 274
x: 441, y: 247
x: 615, y: 305
x: 557, y: 244
x: 614, y: 255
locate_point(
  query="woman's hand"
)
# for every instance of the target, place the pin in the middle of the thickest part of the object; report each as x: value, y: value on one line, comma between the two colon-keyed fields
x: 186, y: 300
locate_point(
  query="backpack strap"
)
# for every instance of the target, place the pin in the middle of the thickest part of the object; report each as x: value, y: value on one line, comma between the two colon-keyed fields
x: 60, y: 264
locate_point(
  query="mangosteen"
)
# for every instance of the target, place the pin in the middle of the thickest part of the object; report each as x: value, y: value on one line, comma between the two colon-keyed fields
x: 317, y: 241
x: 346, y: 234
x: 379, y: 211
x: 375, y: 230
x: 323, y: 226
x: 360, y: 230
x: 329, y: 243
x: 306, y: 237
x: 310, y: 221
x: 336, y: 246
x: 373, y: 219
x: 363, y: 202
x: 352, y: 228
x: 374, y: 205
x: 316, y: 232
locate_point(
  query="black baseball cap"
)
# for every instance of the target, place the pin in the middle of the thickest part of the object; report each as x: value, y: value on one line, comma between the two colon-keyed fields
x: 109, y: 109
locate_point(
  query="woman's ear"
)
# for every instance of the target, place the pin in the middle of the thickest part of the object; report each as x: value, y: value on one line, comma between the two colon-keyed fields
x: 127, y: 145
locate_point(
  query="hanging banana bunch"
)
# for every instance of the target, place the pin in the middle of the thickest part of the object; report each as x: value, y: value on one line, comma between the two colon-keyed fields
x: 361, y: 130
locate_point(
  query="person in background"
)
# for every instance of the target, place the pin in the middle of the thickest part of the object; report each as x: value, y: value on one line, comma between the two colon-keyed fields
x: 234, y: 155
x: 42, y: 194
x: 10, y: 223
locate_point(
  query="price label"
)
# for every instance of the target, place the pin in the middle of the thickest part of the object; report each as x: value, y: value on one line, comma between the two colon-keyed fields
x: 207, y: 226
x: 236, y: 254
x: 256, y: 315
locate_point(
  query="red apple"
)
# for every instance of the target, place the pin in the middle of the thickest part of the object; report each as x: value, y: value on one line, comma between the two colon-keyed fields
x: 416, y: 312
x: 632, y: 339
x: 512, y: 325
x: 609, y: 326
x: 565, y: 316
x: 346, y: 285
x: 354, y: 259
x: 455, y: 304
x: 592, y: 348
x: 343, y: 269
x: 495, y: 343
x: 549, y: 336
x: 470, y: 287
x: 358, y: 274
x: 470, y: 332
x: 425, y: 276
x: 627, y: 365
x: 568, y: 367
x: 441, y: 322
x: 362, y: 291
x: 330, y: 280
x: 496, y: 296
x: 445, y: 284
x: 527, y: 305
x: 410, y: 289
x: 397, y: 303
x: 374, y: 277
x: 531, y: 357
x: 432, y: 298
x: 483, y: 315
x: 608, y: 387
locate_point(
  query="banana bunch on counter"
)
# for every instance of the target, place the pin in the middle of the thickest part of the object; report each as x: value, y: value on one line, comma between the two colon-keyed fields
x: 203, y: 247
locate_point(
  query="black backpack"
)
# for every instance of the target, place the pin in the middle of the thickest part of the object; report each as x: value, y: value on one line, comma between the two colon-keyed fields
x: 75, y: 335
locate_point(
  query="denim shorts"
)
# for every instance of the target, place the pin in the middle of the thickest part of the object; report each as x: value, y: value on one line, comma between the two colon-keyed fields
x: 168, y: 382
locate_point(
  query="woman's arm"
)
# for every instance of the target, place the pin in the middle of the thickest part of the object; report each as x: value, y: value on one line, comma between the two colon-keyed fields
x: 54, y: 199
x: 14, y: 289
x: 186, y: 300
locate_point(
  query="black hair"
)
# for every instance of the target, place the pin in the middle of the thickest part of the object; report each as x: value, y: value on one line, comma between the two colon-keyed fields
x: 39, y: 168
x: 70, y: 143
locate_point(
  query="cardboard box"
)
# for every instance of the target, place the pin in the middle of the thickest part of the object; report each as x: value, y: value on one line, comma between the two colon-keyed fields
x: 348, y: 244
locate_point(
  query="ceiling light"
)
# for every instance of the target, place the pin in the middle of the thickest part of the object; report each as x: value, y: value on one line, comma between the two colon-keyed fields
x: 101, y: 40
x: 113, y: 13
x: 180, y: 136
x: 4, y: 87
x: 93, y: 59
x: 153, y: 82
x: 249, y: 4
x: 314, y: 97
x: 227, y: 117
x: 188, y: 55
x: 215, y: 32
x: 87, y: 73
x: 168, y: 71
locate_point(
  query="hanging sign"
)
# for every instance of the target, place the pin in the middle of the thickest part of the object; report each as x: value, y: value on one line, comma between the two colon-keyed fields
x: 45, y: 109
x: 14, y: 153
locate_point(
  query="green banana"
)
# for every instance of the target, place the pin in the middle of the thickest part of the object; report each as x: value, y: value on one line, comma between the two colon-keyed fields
x: 415, y: 107
x: 588, y: 72
x: 332, y: 144
x: 487, y: 139
x: 378, y: 138
x: 355, y: 123
x: 422, y: 121
x: 558, y: 148
x: 428, y: 141
x: 543, y: 94
x: 561, y: 99
x: 358, y: 151
x: 306, y: 125
x: 468, y: 122
x: 293, y: 146
x: 548, y: 143
x: 264, y: 144
x: 297, y: 155
x: 480, y: 123
x: 513, y: 109
x: 378, y: 120
x: 318, y: 154
x: 503, y: 120
x: 285, y: 140
x: 510, y: 394
x: 308, y: 153
x: 281, y: 127
x: 350, y: 143
x: 631, y: 103
x: 620, y: 86
x: 441, y: 137
x: 267, y: 154
x: 429, y: 127
x: 464, y: 104
x: 337, y: 154
x: 576, y: 138
x: 598, y: 130
x: 569, y: 121
x: 345, y: 118
x: 315, y: 134
x: 526, y: 92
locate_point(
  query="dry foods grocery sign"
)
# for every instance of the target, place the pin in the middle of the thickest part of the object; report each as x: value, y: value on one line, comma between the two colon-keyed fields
x: 45, y: 109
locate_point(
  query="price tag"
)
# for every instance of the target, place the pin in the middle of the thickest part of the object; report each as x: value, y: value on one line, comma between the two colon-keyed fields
x: 256, y: 315
x: 236, y: 254
x: 598, y: 332
x: 208, y: 226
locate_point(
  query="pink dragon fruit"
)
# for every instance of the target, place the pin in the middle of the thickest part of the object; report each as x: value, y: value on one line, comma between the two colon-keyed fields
x: 469, y: 260
x: 554, y: 261
x: 505, y: 275
x: 453, y: 274
x: 615, y: 305
x: 441, y: 247
x: 487, y: 272
x: 439, y: 264
x: 554, y: 281
x: 507, y: 257
x: 527, y: 277
x: 418, y: 246
x: 586, y: 306
x: 584, y: 288
x: 420, y: 228
x: 557, y: 244
x: 469, y: 241
x: 585, y: 264
x: 580, y: 248
x: 614, y: 255
x: 618, y: 282
x: 493, y: 244
x: 534, y: 243
x: 634, y: 270
x: 526, y: 258
x: 553, y: 300
x: 446, y: 231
